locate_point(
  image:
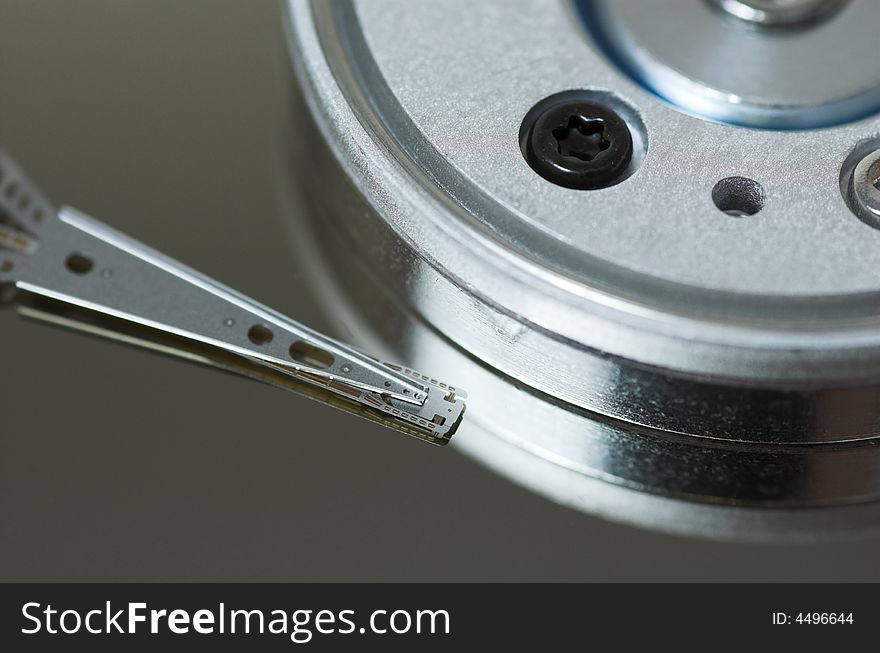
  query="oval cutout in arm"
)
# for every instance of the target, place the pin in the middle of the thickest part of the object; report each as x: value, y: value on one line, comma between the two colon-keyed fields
x: 307, y: 354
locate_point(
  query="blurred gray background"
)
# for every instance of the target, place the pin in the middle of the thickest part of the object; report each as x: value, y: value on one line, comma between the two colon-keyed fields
x: 163, y: 118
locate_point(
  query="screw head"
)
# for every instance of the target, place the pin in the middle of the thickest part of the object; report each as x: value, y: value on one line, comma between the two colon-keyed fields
x: 576, y: 143
x: 864, y: 188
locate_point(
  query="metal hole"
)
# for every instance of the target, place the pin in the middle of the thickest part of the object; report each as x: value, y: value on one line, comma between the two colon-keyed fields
x: 260, y: 334
x: 738, y: 196
x: 79, y: 264
x: 308, y: 354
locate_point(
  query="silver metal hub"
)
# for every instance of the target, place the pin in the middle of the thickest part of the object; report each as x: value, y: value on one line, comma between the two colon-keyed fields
x: 708, y: 327
x: 812, y: 70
